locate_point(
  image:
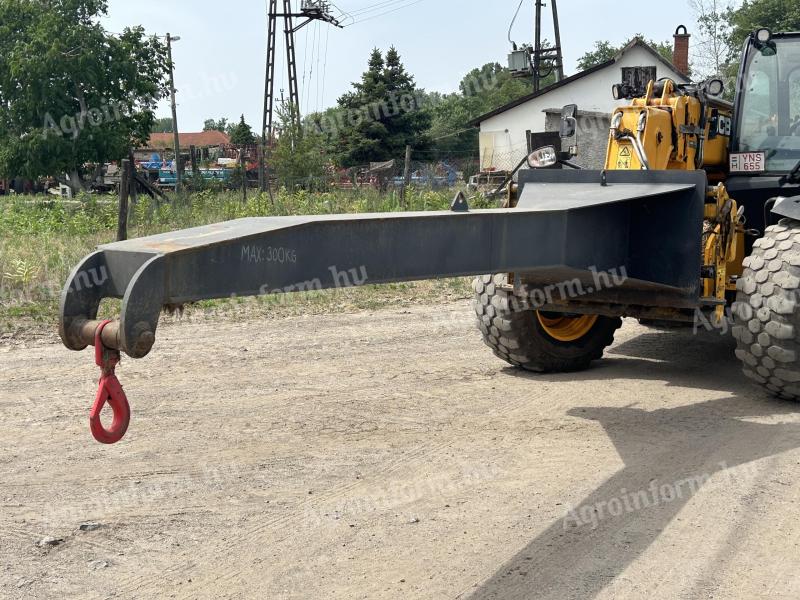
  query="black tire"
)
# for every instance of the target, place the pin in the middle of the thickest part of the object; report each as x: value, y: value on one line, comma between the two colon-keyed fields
x: 766, y: 319
x: 516, y: 336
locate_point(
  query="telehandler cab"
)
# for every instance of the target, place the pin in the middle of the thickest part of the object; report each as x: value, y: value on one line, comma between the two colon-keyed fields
x: 696, y: 215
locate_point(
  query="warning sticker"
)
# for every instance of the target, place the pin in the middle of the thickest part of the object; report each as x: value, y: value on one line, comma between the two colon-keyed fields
x: 624, y: 158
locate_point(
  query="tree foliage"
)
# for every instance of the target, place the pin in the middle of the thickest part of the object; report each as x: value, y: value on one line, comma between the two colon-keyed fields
x: 296, y: 159
x: 381, y: 115
x: 724, y: 28
x: 71, y: 94
x: 365, y: 127
x: 241, y: 134
x: 710, y: 52
x: 163, y: 125
x: 604, y: 51
x: 777, y: 15
x: 482, y: 90
x: 222, y: 125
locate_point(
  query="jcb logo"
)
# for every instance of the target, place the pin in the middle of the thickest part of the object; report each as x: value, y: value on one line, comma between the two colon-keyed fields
x: 724, y: 125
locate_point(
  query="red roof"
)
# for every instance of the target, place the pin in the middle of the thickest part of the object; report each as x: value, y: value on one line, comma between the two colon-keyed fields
x: 204, y: 139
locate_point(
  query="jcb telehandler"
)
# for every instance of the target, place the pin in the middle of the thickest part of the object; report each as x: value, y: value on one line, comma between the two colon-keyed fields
x: 697, y: 212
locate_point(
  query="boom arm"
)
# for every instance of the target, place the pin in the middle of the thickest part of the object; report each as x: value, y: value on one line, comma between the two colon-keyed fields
x: 555, y: 226
x: 566, y: 226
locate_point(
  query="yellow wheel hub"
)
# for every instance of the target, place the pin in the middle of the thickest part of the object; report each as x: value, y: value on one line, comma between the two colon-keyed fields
x: 566, y: 329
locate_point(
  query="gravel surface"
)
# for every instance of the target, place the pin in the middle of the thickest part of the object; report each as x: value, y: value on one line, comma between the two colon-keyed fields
x: 388, y: 454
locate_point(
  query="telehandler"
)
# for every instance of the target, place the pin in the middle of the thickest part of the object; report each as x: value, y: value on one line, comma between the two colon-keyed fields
x: 695, y: 218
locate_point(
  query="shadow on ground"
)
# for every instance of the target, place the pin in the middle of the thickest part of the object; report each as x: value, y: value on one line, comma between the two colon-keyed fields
x: 680, y: 447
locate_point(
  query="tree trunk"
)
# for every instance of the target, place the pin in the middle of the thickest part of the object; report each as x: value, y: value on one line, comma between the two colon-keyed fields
x: 76, y: 182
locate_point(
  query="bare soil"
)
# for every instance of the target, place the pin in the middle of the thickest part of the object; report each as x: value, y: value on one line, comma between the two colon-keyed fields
x: 388, y: 454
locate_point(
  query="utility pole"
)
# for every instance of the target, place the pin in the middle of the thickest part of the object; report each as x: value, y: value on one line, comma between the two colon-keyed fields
x: 291, y: 61
x: 536, y: 61
x: 310, y: 10
x: 559, y: 53
x: 269, y: 99
x: 176, y: 136
x: 537, y: 48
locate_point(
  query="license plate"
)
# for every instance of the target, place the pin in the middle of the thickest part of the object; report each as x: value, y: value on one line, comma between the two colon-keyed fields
x: 749, y: 162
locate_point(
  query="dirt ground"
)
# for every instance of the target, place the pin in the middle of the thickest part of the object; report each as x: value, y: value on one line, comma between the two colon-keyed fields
x: 388, y: 454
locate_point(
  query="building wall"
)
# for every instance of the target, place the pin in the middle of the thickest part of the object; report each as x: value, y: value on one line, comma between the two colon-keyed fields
x: 592, y: 137
x: 503, y: 140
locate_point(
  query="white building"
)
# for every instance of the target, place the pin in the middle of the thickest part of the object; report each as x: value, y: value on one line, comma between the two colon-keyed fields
x: 505, y: 132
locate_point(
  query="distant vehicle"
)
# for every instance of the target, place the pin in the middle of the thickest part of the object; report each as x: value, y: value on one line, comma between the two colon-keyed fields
x: 168, y: 177
x: 486, y: 181
x: 421, y: 178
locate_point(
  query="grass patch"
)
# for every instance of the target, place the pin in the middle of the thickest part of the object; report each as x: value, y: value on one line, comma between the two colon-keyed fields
x: 43, y: 238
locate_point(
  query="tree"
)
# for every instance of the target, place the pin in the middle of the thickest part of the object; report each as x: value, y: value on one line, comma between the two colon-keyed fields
x: 723, y: 30
x: 605, y: 51
x: 710, y: 50
x: 296, y: 157
x: 777, y: 15
x: 482, y: 90
x: 163, y: 125
x: 382, y: 114
x: 73, y: 96
x: 242, y: 134
x: 222, y: 125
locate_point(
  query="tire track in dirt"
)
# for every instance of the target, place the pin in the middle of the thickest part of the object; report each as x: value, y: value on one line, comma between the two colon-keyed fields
x: 232, y: 573
x: 255, y: 537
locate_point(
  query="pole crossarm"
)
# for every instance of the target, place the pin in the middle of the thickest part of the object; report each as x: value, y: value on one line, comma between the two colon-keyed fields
x: 310, y: 11
x: 310, y: 17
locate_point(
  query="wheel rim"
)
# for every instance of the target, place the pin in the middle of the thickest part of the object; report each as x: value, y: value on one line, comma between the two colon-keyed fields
x: 564, y: 328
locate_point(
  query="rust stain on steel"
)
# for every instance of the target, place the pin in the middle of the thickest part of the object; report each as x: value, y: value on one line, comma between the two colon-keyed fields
x: 84, y: 330
x: 166, y: 246
x: 182, y: 243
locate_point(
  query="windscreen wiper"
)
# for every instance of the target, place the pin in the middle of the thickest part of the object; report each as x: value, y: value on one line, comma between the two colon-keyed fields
x: 794, y: 174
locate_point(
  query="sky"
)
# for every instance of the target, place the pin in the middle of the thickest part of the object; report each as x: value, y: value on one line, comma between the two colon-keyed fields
x: 220, y: 58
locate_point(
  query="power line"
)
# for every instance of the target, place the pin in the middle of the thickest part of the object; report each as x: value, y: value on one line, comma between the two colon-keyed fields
x: 378, y: 6
x: 319, y: 59
x: 310, y: 11
x: 514, y: 20
x: 384, y: 13
x: 373, y: 7
x: 305, y: 64
x: 369, y: 18
x: 318, y: 37
x: 455, y: 133
x: 306, y: 61
x: 325, y: 67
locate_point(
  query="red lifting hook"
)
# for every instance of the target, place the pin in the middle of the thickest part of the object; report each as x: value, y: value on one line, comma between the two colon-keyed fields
x: 109, y: 391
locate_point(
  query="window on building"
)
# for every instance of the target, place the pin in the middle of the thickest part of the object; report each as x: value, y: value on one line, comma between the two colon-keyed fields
x: 638, y: 77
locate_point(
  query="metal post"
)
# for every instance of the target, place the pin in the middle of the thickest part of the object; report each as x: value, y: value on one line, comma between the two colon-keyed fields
x: 176, y: 136
x: 559, y: 51
x: 124, y: 191
x: 310, y: 12
x: 537, y: 48
x: 243, y: 167
x: 269, y: 97
x: 134, y: 188
x: 407, y: 171
x: 193, y: 159
x: 291, y: 62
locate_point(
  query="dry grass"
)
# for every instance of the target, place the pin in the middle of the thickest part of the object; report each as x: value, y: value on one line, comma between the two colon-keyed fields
x: 42, y: 239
